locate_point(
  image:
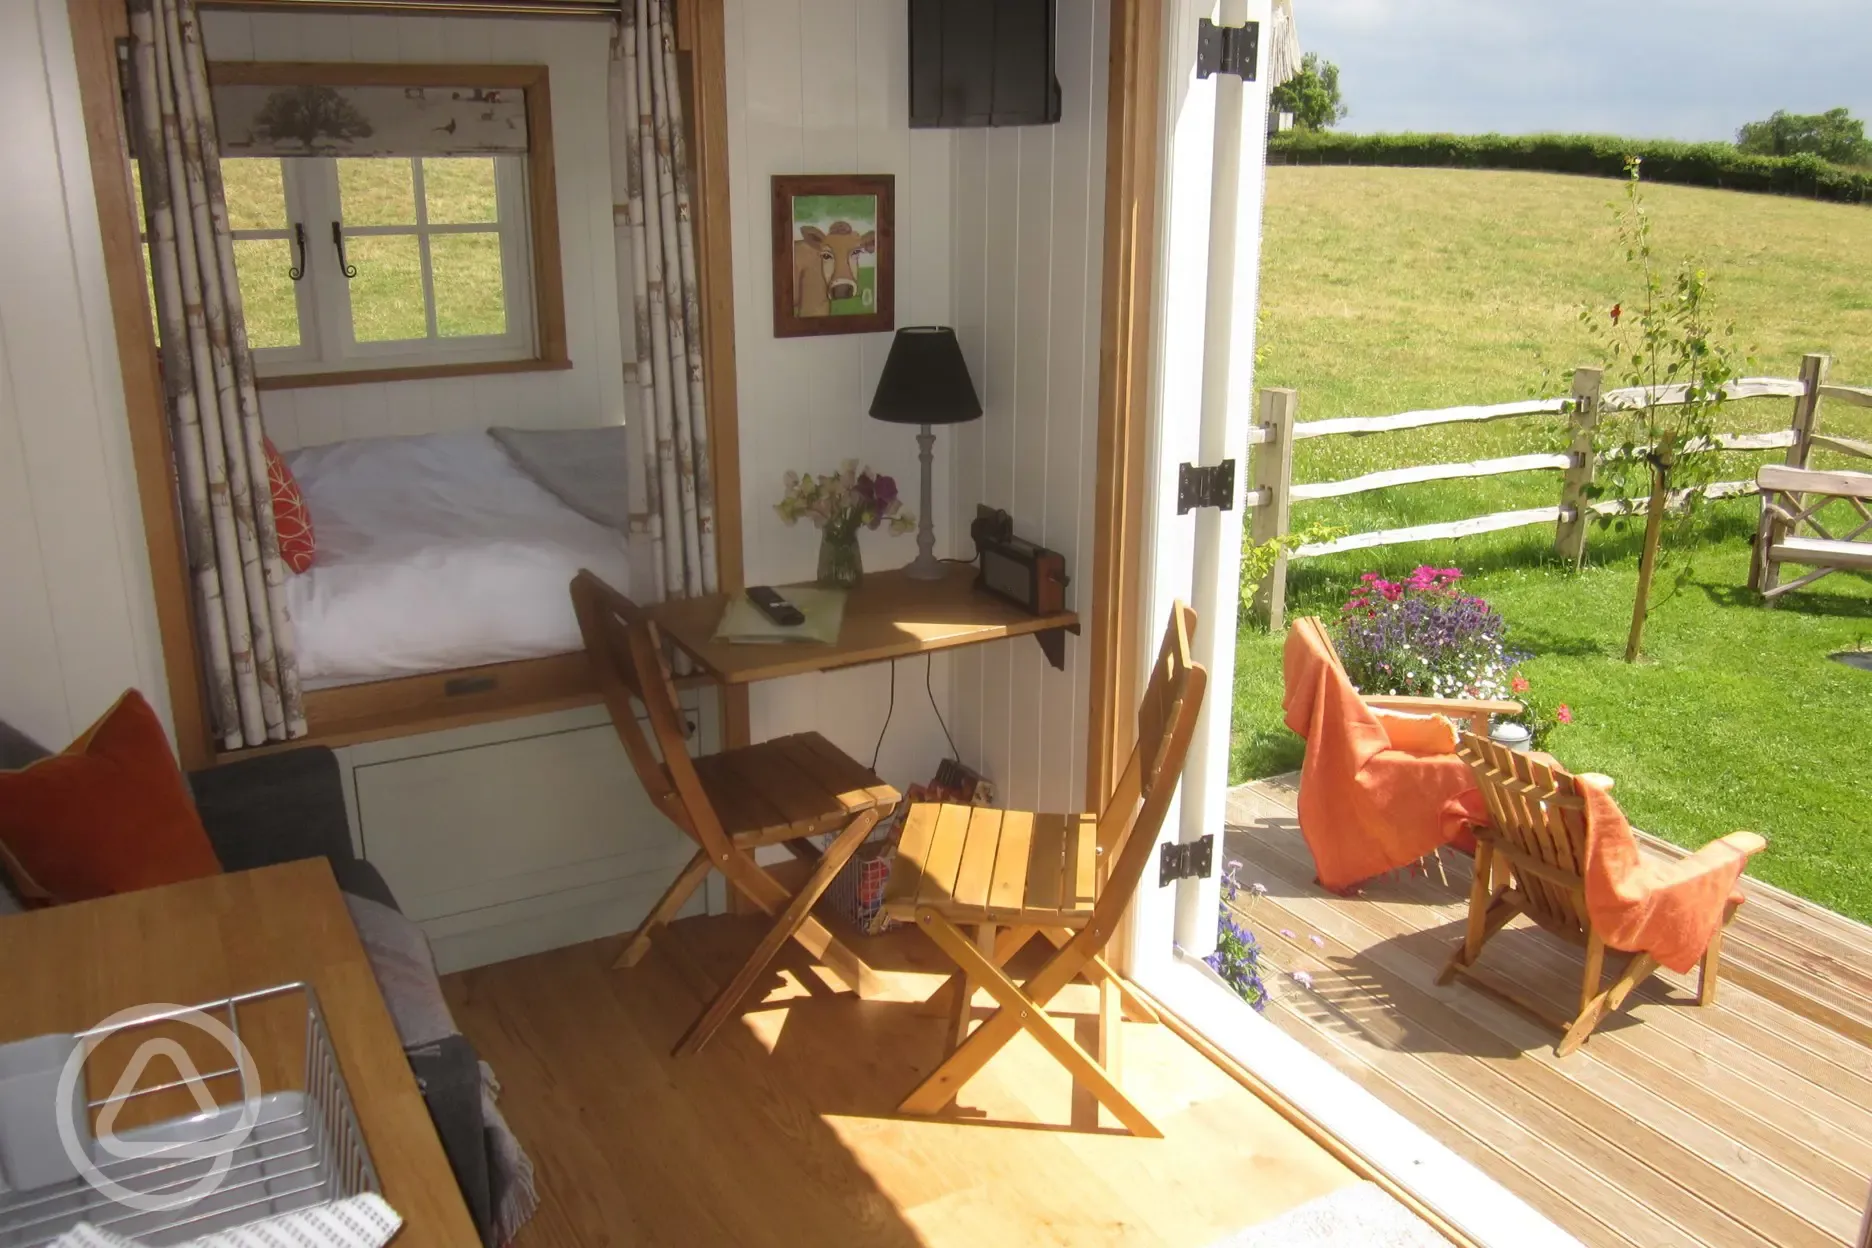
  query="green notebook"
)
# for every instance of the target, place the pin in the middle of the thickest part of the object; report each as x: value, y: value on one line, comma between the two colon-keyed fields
x: 824, y: 609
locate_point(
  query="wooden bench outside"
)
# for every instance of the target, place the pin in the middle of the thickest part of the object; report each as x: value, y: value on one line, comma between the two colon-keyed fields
x: 1792, y: 501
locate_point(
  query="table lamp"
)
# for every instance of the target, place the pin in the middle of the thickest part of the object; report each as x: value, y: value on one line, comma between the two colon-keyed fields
x: 925, y: 382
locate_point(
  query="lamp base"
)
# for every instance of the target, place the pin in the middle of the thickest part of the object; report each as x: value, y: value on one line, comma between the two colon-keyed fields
x: 926, y: 566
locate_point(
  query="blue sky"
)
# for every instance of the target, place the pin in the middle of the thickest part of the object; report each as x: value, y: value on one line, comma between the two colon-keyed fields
x: 1682, y: 69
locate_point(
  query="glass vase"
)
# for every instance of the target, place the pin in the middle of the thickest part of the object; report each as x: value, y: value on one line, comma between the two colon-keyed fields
x: 840, y: 564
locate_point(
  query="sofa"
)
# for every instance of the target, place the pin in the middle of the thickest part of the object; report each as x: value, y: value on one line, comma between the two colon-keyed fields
x: 287, y: 806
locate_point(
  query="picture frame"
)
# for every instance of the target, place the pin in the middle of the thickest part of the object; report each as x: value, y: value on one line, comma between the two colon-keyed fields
x: 834, y: 254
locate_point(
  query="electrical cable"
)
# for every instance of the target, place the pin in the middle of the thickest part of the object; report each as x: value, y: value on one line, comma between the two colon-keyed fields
x: 889, y: 710
x: 929, y: 661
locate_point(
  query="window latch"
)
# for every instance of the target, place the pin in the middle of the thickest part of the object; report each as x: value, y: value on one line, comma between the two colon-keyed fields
x: 297, y: 271
x: 349, y: 270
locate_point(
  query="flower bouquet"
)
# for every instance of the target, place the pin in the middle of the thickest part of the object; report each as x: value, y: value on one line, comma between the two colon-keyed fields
x: 1424, y: 637
x: 839, y: 504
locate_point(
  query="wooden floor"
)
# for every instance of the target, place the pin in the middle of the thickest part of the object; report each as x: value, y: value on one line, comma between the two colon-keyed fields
x: 783, y: 1130
x: 1746, y: 1124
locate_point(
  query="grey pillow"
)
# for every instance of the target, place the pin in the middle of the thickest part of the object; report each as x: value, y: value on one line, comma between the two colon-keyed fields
x: 405, y: 972
x: 17, y: 749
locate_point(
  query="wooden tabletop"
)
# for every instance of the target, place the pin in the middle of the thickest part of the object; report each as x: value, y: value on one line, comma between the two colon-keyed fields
x: 66, y: 968
x: 889, y: 616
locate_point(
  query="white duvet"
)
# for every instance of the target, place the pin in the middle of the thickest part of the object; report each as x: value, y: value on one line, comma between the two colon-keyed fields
x: 435, y: 552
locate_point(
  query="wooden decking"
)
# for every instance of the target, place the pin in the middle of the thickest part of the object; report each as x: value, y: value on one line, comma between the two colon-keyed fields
x: 1746, y: 1125
x: 783, y: 1131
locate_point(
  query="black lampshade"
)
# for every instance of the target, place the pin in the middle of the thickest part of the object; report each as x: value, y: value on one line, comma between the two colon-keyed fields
x: 925, y: 381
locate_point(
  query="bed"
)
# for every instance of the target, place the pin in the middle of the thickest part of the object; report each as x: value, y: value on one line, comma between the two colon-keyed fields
x: 435, y: 553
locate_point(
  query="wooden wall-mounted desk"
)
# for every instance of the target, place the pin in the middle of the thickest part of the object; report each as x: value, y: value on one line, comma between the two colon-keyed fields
x: 889, y: 616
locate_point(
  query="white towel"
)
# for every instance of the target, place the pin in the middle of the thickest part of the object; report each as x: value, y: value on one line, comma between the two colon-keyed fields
x: 360, y: 1222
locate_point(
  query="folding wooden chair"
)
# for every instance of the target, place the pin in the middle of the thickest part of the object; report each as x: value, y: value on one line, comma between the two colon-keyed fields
x: 1537, y: 828
x: 779, y: 792
x: 1011, y: 875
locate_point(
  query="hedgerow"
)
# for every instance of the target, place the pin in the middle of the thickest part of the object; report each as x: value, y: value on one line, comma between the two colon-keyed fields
x: 1693, y: 164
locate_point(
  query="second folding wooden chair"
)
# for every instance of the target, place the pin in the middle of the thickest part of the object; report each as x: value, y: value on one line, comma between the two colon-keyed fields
x: 1011, y: 875
x: 778, y: 792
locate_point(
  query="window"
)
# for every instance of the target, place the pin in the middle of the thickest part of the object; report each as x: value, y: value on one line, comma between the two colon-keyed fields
x: 376, y: 262
x: 391, y: 221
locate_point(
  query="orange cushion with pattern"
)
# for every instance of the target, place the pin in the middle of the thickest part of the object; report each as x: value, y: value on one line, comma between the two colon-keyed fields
x: 112, y: 814
x: 290, y: 517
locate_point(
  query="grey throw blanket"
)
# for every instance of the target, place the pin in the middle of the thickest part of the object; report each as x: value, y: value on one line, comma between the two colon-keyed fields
x: 405, y: 971
x: 586, y: 469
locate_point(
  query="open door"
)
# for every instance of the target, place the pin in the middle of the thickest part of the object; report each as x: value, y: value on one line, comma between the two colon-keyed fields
x: 1202, y: 386
x: 1197, y: 426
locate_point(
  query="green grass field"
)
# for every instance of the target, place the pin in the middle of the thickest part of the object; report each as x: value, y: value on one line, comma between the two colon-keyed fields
x: 1386, y: 290
x: 387, y: 294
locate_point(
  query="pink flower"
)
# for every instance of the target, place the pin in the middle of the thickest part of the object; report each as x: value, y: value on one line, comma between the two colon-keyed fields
x: 1303, y: 979
x: 1519, y: 684
x: 1317, y: 942
x: 1563, y: 714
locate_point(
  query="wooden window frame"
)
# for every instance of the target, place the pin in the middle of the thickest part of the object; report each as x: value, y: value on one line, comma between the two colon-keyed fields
x: 433, y: 701
x: 547, y: 271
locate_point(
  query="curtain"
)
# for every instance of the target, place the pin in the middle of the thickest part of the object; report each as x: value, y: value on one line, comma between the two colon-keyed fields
x: 227, y: 513
x: 651, y: 217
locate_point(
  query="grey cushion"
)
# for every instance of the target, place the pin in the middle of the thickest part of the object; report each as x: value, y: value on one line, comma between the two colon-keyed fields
x: 405, y: 972
x: 274, y: 808
x: 17, y: 749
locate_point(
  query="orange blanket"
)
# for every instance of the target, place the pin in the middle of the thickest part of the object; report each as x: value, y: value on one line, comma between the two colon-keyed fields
x: 1365, y: 808
x: 1669, y: 910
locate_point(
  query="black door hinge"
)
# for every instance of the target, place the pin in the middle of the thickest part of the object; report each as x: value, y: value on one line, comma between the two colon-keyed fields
x: 1206, y: 487
x: 1188, y: 861
x: 1227, y: 49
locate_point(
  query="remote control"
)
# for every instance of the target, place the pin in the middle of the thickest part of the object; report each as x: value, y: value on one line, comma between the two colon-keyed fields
x: 774, y: 607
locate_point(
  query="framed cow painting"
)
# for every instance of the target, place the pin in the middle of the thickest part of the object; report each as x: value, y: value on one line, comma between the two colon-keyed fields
x: 835, y: 256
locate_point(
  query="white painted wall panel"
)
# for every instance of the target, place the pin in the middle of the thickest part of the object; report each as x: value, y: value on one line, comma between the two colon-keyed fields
x: 1027, y: 207
x: 505, y: 839
x: 822, y: 86
x: 77, y: 617
x: 592, y: 392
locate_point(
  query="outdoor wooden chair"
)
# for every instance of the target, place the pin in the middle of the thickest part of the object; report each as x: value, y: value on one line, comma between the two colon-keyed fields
x: 778, y: 792
x: 1537, y: 829
x: 1011, y: 875
x: 1791, y: 531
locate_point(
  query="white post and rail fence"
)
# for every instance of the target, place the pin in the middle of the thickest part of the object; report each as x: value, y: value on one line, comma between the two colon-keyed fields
x: 1271, y: 492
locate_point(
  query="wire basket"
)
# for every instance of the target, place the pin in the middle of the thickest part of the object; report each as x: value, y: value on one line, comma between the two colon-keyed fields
x: 856, y: 893
x: 277, y: 1151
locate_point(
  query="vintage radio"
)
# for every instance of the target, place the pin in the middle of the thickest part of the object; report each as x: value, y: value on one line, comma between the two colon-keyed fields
x: 1029, y: 576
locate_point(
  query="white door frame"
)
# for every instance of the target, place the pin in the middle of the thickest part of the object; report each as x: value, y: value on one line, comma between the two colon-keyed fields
x: 1202, y: 379
x: 1210, y: 189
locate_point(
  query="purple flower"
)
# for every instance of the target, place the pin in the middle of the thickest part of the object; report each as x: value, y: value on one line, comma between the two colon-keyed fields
x: 884, y: 489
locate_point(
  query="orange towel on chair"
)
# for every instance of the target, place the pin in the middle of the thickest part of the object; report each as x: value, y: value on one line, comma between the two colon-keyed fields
x: 1668, y: 909
x: 1365, y: 808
